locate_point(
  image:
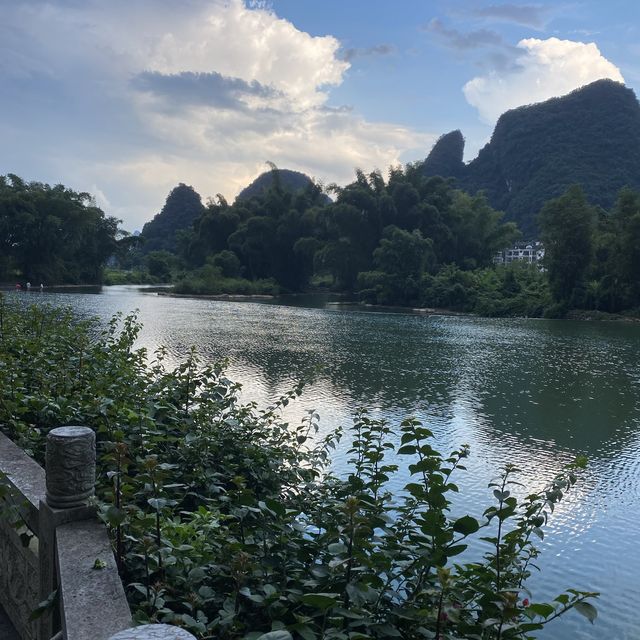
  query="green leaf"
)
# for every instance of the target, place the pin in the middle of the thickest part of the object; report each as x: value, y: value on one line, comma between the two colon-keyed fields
x: 115, y: 516
x: 466, y: 525
x: 321, y: 601
x: 455, y: 550
x: 542, y: 609
x: 157, y: 503
x: 276, y: 635
x: 587, y: 610
x: 336, y: 548
x: 276, y: 507
x: 407, y: 450
x: 45, y: 605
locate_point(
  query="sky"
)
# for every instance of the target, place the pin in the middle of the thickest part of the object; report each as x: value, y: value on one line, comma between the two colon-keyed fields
x: 127, y: 98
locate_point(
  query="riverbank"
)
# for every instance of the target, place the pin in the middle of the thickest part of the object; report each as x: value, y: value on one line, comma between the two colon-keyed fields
x: 346, y: 304
x: 219, y: 296
x: 581, y: 314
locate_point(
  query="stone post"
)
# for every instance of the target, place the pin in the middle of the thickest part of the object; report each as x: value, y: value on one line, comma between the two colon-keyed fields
x: 70, y: 474
x: 153, y: 632
x: 70, y: 466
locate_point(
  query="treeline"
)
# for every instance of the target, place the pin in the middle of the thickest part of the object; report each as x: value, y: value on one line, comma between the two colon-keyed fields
x: 409, y: 240
x: 386, y: 240
x: 53, y: 235
x: 412, y: 241
x: 592, y: 256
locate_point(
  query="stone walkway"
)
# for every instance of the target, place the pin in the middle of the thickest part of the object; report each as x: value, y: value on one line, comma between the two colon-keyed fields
x: 7, y: 632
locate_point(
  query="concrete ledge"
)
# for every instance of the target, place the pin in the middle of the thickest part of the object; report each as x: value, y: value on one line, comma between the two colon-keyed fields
x: 92, y: 600
x: 26, y: 476
x: 154, y: 632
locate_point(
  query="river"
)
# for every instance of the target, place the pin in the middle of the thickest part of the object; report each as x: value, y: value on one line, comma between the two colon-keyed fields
x: 532, y: 392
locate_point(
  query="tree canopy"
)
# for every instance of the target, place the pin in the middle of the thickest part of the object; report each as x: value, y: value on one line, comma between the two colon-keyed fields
x: 52, y: 234
x: 378, y: 234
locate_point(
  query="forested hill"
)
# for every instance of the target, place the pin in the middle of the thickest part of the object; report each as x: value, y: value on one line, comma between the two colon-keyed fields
x: 181, y: 208
x: 589, y: 137
x: 289, y: 180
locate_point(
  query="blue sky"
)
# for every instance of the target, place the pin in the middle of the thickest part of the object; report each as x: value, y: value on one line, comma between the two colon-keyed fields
x: 127, y: 98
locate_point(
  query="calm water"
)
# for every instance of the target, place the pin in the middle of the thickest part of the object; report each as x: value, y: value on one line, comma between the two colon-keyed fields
x: 532, y: 392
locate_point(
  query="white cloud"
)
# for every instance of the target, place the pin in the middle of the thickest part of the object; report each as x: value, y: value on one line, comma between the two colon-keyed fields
x: 116, y: 115
x: 253, y: 44
x: 546, y: 68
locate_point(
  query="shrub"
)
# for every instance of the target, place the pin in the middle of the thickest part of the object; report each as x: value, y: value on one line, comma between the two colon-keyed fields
x: 209, y: 280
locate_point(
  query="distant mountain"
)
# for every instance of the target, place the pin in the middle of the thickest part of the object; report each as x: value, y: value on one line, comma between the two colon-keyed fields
x: 445, y: 159
x: 289, y: 180
x: 182, y: 206
x: 589, y: 137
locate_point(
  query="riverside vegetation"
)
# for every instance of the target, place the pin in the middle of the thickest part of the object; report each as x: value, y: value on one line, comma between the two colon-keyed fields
x: 228, y: 521
x: 416, y: 242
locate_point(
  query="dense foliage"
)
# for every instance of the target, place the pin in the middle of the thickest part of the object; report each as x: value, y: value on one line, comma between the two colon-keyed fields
x: 52, y: 234
x: 230, y: 522
x: 589, y: 137
x: 383, y: 236
x: 592, y: 256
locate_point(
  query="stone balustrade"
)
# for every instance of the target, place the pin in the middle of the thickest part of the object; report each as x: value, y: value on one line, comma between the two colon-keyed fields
x: 50, y: 539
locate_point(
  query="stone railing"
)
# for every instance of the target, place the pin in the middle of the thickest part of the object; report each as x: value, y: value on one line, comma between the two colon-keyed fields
x: 50, y: 539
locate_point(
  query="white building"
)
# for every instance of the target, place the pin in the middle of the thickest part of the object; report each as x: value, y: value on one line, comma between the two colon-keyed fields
x: 529, y: 252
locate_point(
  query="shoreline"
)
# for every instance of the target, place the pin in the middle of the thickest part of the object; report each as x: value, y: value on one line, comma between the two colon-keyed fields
x: 217, y: 296
x: 576, y: 314
x: 582, y: 315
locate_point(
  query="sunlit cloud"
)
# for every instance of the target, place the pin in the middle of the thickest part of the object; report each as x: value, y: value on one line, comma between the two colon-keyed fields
x: 545, y: 68
x: 140, y: 96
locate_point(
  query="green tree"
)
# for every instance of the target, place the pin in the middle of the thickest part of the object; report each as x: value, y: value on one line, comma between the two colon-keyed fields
x: 160, y: 264
x: 228, y: 263
x: 53, y: 234
x: 626, y: 260
x: 404, y: 254
x: 567, y: 228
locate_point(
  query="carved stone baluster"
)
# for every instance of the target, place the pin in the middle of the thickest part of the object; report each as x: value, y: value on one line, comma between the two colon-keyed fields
x: 70, y: 466
x: 70, y: 475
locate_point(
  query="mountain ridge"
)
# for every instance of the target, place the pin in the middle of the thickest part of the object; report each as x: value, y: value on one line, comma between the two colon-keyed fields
x: 590, y: 137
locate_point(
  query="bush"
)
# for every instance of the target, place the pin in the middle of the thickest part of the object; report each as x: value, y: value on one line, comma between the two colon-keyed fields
x: 556, y: 311
x: 230, y: 522
x: 119, y: 276
x: 209, y: 280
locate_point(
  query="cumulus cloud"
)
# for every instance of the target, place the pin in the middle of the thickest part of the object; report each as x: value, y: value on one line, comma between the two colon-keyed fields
x: 545, y: 68
x: 253, y: 44
x: 139, y: 96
